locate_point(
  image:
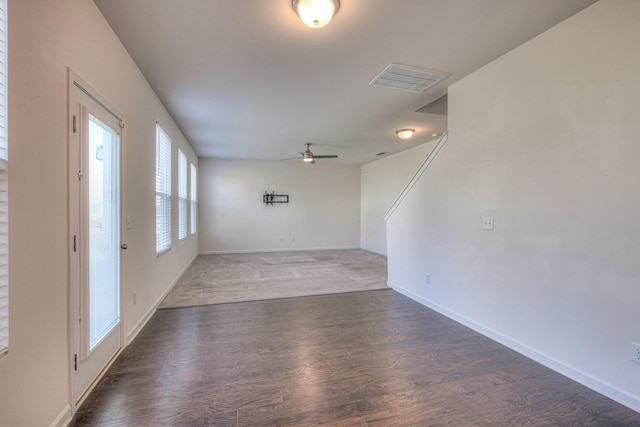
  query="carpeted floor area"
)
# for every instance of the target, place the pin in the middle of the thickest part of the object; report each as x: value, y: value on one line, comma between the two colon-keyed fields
x: 219, y: 279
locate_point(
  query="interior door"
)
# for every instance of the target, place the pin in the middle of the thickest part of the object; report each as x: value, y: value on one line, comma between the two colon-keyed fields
x: 95, y: 223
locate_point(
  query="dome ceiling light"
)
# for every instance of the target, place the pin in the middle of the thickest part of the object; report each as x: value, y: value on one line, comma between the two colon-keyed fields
x: 315, y: 13
x: 405, y: 133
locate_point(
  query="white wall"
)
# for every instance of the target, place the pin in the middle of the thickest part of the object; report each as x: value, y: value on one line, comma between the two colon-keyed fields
x: 323, y: 210
x: 544, y: 139
x: 46, y: 36
x: 381, y: 182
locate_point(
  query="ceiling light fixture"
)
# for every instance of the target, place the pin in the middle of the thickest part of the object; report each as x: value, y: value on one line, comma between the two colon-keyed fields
x: 307, y: 156
x: 405, y: 133
x: 315, y: 13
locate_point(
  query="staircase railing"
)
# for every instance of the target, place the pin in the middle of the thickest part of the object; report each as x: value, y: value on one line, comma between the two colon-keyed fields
x: 417, y: 175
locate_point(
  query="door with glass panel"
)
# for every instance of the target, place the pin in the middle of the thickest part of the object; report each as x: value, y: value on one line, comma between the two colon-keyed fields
x: 95, y: 239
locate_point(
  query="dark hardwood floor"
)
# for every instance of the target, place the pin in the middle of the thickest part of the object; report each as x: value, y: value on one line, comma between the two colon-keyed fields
x: 371, y: 359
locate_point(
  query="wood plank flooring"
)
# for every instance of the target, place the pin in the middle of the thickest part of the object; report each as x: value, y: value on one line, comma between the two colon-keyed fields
x: 371, y: 358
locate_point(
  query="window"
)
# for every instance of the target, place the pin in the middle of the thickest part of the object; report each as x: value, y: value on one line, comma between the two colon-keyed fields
x: 194, y: 200
x: 182, y: 195
x: 4, y: 185
x: 163, y: 191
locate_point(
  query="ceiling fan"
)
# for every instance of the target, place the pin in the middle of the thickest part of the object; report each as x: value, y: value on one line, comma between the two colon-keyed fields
x: 310, y: 158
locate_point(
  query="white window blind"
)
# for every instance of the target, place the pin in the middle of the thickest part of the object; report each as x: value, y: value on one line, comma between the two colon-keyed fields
x: 163, y: 191
x: 4, y: 187
x: 193, y: 194
x: 182, y: 195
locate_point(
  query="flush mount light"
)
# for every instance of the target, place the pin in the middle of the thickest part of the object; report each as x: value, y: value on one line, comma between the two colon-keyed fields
x: 315, y: 13
x: 405, y: 133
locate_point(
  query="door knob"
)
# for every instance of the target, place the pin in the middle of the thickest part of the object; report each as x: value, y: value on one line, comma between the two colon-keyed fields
x: 123, y: 246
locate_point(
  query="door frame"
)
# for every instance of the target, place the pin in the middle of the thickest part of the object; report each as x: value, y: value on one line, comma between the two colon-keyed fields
x: 75, y: 82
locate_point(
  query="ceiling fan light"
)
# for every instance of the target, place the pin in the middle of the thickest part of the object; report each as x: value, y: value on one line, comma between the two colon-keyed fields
x: 315, y: 13
x: 307, y: 156
x: 405, y: 133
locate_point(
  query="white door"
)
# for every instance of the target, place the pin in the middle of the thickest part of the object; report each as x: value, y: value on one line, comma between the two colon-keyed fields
x: 96, y: 332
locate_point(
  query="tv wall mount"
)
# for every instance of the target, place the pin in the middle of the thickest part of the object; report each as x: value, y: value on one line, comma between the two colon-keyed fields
x: 272, y: 198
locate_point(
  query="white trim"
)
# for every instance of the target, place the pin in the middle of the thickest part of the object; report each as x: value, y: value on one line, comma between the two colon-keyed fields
x: 79, y: 87
x: 257, y: 251
x: 425, y: 164
x: 81, y: 84
x: 603, y: 387
x: 64, y: 417
x: 141, y: 324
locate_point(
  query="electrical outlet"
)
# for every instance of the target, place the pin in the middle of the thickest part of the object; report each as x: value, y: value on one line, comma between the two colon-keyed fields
x: 635, y: 352
x: 427, y: 279
x: 135, y: 297
x: 487, y: 223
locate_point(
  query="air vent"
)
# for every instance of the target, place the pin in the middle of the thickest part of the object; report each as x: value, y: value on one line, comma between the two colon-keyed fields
x: 408, y: 78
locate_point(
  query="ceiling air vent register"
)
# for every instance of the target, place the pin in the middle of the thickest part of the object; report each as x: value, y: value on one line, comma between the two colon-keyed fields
x: 409, y: 78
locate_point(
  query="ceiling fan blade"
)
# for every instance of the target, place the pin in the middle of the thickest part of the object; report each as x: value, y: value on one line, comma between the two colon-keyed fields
x: 331, y: 156
x: 292, y: 158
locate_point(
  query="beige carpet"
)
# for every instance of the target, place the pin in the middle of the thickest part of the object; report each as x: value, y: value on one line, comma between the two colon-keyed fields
x: 219, y: 279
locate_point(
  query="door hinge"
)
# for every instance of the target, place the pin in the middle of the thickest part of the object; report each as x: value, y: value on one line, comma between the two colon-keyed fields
x: 75, y: 362
x: 75, y: 247
x: 74, y: 124
x: 80, y: 175
x: 121, y: 124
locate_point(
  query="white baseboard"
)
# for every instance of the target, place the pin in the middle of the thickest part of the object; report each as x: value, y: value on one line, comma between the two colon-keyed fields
x: 257, y: 251
x: 603, y: 387
x: 63, y: 419
x: 138, y: 327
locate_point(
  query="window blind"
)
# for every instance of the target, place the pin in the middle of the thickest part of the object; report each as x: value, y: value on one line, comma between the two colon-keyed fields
x: 193, y: 194
x: 182, y: 195
x: 4, y: 187
x: 163, y: 191
x: 4, y: 264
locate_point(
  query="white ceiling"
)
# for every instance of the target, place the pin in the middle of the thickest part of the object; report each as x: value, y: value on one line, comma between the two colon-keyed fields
x: 247, y: 80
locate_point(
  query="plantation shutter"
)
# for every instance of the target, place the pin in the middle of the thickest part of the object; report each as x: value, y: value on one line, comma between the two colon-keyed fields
x: 163, y: 191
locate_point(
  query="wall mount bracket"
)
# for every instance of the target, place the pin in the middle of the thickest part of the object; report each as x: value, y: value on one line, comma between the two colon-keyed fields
x: 270, y: 198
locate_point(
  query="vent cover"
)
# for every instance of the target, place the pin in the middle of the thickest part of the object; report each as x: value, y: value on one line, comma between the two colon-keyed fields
x: 409, y: 78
